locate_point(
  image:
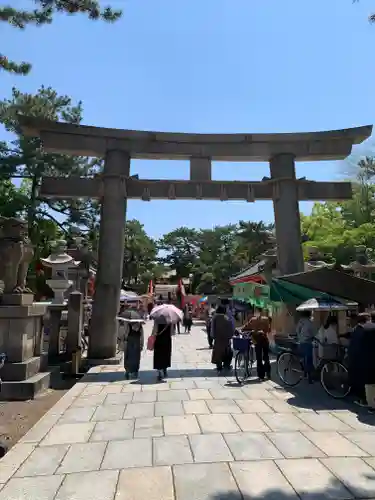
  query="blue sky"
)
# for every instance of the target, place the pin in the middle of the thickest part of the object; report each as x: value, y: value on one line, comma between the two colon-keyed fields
x: 210, y: 66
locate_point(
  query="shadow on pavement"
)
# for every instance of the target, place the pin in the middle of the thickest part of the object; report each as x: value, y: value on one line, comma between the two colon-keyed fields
x: 336, y: 490
x: 304, y: 396
x: 146, y: 376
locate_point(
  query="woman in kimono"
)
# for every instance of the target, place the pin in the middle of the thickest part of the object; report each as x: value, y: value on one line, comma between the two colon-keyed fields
x: 162, y: 349
x: 222, y: 331
x: 133, y: 346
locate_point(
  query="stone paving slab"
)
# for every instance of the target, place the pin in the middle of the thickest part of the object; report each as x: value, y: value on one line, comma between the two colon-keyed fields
x: 172, y: 450
x: 357, y: 475
x: 312, y: 480
x: 83, y: 458
x: 193, y: 436
x: 43, y: 461
x: 102, y: 484
x: 205, y: 481
x: 262, y: 480
x: 146, y: 484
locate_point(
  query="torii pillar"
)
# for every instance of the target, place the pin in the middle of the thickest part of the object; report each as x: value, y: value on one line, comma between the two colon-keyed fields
x: 103, y: 328
x: 287, y: 215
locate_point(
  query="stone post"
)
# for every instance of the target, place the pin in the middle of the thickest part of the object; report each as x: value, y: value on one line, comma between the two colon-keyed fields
x: 103, y: 330
x: 200, y: 169
x: 75, y: 319
x: 287, y: 217
x: 55, y: 312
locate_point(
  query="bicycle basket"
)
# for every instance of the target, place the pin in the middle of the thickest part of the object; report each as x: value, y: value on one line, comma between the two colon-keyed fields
x: 241, y: 344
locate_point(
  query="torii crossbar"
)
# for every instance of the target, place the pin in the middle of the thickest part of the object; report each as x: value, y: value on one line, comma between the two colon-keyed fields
x: 115, y: 186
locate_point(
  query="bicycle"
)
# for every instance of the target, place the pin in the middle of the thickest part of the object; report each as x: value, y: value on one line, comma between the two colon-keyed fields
x: 333, y: 374
x: 245, y: 356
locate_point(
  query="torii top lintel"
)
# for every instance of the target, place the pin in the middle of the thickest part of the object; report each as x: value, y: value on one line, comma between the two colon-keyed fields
x: 82, y: 140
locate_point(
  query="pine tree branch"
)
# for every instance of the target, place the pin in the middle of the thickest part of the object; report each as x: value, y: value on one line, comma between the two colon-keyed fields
x: 46, y: 214
x: 43, y: 14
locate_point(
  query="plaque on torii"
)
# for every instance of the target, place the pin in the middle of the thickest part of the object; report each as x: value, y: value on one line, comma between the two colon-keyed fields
x: 115, y: 186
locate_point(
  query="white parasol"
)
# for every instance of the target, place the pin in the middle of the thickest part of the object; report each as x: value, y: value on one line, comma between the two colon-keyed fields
x: 166, y: 314
x: 322, y: 305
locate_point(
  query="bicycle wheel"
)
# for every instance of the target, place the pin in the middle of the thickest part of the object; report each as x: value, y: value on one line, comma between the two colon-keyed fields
x: 289, y: 369
x: 241, y: 367
x: 334, y: 378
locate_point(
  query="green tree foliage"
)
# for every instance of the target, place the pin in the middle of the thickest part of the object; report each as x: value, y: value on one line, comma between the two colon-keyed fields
x: 213, y: 255
x: 180, y: 250
x: 337, y: 228
x: 254, y: 238
x: 13, y: 201
x: 140, y: 254
x: 24, y: 157
x: 42, y: 12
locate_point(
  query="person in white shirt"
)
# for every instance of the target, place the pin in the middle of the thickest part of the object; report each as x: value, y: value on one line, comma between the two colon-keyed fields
x: 305, y: 334
x: 328, y: 335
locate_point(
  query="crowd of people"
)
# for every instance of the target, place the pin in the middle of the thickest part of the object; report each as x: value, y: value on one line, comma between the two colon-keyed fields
x: 221, y: 329
x: 360, y: 352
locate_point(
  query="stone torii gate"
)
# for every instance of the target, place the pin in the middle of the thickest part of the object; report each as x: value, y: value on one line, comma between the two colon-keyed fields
x: 115, y: 186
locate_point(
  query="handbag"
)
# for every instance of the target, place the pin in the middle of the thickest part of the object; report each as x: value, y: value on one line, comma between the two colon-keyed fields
x: 152, y: 338
x: 151, y: 342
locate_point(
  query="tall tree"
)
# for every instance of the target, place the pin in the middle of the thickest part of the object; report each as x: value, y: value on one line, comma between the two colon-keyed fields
x: 361, y: 208
x: 337, y: 228
x: 140, y: 253
x: 213, y: 255
x: 217, y: 258
x: 254, y: 238
x: 42, y: 12
x: 180, y: 250
x: 24, y: 157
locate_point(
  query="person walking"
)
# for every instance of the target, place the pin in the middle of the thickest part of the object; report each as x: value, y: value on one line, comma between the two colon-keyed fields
x: 188, y: 318
x: 357, y: 361
x: 209, y: 329
x: 133, y: 347
x: 261, y: 327
x: 222, y: 332
x: 162, y: 349
x: 368, y: 363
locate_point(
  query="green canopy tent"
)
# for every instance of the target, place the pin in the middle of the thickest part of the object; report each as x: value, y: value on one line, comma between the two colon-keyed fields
x: 290, y: 293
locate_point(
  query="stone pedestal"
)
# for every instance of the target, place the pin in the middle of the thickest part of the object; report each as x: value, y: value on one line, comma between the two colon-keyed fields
x: 21, y: 340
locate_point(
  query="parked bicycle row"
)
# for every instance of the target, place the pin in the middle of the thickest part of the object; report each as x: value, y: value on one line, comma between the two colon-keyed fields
x: 311, y: 355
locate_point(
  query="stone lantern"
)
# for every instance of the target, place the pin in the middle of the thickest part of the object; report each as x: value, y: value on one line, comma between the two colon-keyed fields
x: 60, y: 263
x: 81, y: 251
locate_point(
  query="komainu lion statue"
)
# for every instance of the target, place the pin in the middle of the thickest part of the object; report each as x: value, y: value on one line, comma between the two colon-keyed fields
x: 16, y: 253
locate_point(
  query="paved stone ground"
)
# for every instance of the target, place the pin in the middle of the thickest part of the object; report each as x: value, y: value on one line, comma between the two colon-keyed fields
x: 195, y: 437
